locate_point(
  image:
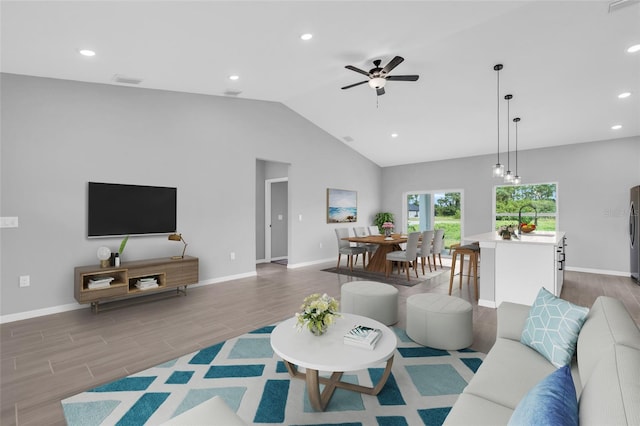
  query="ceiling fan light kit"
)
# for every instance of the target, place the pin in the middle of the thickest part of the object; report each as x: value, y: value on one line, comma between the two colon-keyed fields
x: 378, y: 76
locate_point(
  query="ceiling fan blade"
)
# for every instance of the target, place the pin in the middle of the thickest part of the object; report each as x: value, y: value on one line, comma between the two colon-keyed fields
x: 380, y: 91
x: 403, y: 77
x: 355, y: 84
x: 352, y: 68
x: 392, y: 64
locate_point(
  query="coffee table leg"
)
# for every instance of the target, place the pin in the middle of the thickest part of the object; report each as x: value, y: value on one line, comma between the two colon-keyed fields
x: 320, y: 400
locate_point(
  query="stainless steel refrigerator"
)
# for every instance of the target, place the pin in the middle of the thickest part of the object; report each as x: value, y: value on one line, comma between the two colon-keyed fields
x: 634, y: 233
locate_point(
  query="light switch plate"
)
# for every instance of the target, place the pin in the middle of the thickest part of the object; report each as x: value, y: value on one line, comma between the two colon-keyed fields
x: 9, y: 222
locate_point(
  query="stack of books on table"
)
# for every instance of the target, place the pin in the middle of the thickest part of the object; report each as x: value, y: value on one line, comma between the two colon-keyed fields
x: 102, y: 282
x: 363, y: 337
x: 147, y: 283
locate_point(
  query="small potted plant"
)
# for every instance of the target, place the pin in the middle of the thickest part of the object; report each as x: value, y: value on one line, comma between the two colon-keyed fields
x: 381, y: 218
x: 506, y: 231
x: 318, y: 313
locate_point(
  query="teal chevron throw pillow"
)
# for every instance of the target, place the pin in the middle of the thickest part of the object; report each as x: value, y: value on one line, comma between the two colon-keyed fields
x: 551, y: 402
x: 552, y: 327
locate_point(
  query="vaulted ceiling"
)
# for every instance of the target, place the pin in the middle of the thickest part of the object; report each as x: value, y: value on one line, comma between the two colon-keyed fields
x: 565, y: 62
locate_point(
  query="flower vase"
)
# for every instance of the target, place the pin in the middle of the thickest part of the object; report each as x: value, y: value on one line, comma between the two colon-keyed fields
x: 318, y: 331
x: 387, y: 232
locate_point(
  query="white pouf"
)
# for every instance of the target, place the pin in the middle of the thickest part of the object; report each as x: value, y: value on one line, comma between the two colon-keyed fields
x: 370, y: 299
x: 440, y: 321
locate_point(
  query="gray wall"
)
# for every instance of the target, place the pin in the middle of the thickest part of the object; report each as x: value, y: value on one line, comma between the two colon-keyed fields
x: 57, y: 135
x: 593, y: 194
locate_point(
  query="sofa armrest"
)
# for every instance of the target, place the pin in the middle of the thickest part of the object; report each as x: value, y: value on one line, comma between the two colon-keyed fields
x: 511, y: 319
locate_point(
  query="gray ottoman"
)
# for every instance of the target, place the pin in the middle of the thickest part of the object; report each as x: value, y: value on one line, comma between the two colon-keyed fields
x: 440, y: 321
x: 370, y: 299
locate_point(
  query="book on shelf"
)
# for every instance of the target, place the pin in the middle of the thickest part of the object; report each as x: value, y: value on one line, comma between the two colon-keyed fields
x: 363, y: 336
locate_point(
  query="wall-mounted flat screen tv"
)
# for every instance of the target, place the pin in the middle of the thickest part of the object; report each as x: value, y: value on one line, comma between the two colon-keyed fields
x: 117, y: 209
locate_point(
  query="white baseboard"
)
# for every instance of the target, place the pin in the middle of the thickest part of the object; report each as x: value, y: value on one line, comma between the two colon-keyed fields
x: 313, y: 262
x: 599, y: 271
x: 74, y: 306
x: 487, y: 303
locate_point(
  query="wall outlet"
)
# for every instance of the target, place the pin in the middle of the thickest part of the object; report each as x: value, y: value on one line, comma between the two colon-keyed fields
x: 25, y: 281
x: 232, y: 255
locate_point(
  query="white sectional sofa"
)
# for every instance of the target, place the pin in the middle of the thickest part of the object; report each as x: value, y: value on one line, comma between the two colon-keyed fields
x: 605, y: 371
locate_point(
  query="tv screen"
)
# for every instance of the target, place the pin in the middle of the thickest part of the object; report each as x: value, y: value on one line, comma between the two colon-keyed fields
x: 116, y: 209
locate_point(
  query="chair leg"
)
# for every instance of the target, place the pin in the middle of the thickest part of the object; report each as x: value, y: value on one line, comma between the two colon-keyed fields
x: 461, y: 268
x: 453, y: 269
x: 386, y: 269
x: 338, y: 267
x: 434, y: 262
x: 422, y: 263
x: 475, y: 271
x: 406, y: 266
x: 440, y: 257
x: 350, y: 262
x: 429, y: 261
x: 415, y: 266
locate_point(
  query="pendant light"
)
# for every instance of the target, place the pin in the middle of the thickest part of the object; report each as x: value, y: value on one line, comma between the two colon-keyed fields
x: 517, y: 179
x: 498, y: 169
x: 508, y: 176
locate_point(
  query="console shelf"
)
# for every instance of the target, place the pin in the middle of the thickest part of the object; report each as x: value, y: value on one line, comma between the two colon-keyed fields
x: 168, y: 273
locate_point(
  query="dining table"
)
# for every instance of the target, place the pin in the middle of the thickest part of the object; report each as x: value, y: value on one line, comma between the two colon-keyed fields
x: 385, y: 245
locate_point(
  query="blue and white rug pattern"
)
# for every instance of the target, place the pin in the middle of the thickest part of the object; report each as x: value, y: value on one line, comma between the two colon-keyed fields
x: 254, y: 382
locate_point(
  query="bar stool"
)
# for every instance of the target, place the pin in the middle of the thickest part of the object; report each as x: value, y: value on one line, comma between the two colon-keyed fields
x: 473, y: 251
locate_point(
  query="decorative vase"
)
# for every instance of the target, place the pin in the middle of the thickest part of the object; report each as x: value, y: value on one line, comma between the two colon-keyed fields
x: 387, y: 232
x: 506, y: 236
x: 318, y: 331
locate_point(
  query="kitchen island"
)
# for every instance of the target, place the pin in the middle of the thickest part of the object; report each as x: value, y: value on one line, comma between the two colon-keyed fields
x: 514, y: 270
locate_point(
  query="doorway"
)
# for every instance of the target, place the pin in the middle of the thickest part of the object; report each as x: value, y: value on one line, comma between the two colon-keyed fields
x: 276, y: 220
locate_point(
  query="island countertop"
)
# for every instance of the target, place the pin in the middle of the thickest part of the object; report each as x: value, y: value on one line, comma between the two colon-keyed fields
x: 535, y: 237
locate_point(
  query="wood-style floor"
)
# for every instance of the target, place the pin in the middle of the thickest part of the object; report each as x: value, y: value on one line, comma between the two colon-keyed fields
x: 46, y: 359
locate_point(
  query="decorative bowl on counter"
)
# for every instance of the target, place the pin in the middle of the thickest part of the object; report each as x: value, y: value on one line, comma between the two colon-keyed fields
x: 527, y: 228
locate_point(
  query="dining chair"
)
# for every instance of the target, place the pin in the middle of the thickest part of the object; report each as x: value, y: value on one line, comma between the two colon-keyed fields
x: 362, y: 231
x: 374, y: 230
x: 408, y: 256
x: 344, y: 247
x: 425, y: 249
x: 438, y: 245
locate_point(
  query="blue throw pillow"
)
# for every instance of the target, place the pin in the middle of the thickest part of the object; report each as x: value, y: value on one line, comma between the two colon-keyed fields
x: 552, y: 327
x: 551, y: 402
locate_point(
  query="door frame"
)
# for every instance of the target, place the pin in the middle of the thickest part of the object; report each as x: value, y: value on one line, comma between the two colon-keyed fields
x: 267, y: 216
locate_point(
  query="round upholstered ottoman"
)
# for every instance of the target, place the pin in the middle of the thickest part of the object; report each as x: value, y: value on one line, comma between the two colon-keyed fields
x: 440, y: 321
x: 370, y: 299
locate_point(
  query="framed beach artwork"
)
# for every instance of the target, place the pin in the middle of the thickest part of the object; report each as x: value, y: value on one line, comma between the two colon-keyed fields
x: 342, y: 206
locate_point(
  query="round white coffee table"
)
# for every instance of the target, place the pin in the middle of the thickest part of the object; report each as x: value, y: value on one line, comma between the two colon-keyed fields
x: 330, y: 354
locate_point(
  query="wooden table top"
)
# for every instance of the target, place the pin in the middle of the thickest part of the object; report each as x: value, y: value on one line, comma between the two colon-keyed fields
x: 379, y: 239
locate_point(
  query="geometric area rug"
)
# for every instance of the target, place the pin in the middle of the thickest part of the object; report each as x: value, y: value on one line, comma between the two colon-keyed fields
x: 253, y: 381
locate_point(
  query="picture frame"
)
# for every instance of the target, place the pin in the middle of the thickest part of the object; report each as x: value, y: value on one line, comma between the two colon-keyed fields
x: 342, y: 206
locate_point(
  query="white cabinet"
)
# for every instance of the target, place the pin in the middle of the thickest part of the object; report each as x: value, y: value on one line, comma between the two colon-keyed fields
x: 515, y: 270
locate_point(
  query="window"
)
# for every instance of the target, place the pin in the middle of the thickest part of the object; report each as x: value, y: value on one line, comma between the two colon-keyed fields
x: 533, y: 202
x: 435, y: 210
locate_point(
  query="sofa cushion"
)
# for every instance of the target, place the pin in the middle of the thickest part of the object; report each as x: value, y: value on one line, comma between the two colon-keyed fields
x: 474, y: 410
x: 507, y: 373
x: 611, y: 396
x: 607, y: 324
x: 552, y: 327
x: 550, y: 402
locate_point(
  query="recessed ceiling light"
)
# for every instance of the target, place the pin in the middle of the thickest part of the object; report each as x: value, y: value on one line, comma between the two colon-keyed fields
x: 394, y: 135
x: 306, y: 36
x: 87, y: 52
x: 633, y: 49
x: 624, y: 95
x: 616, y: 127
x: 234, y: 77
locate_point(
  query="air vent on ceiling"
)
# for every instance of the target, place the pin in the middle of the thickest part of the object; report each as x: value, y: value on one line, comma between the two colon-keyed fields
x: 617, y: 4
x: 232, y: 92
x: 347, y: 138
x: 119, y: 78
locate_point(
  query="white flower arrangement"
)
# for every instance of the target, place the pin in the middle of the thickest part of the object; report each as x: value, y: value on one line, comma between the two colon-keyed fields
x: 318, y: 312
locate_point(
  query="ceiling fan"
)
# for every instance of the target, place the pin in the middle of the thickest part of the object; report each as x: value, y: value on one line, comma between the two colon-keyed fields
x: 378, y: 76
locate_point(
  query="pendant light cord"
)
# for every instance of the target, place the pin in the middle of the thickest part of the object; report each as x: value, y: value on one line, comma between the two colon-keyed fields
x: 498, y: 113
